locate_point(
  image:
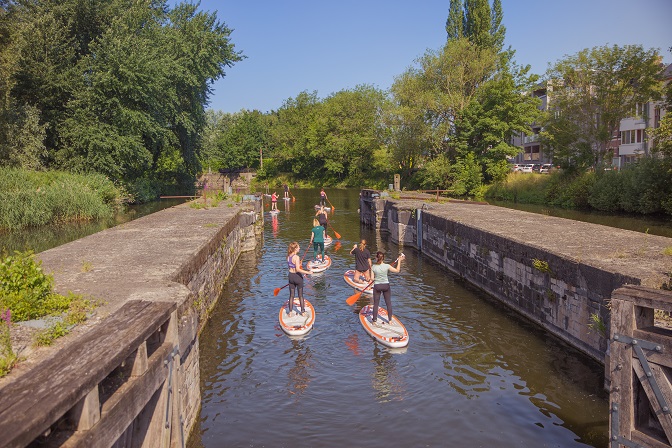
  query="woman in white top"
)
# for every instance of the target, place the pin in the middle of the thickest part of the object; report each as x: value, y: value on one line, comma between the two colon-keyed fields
x: 381, y: 284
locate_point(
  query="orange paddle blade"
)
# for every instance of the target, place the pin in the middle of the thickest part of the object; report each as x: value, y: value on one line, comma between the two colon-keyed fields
x: 353, y: 298
x: 338, y: 235
x: 276, y: 291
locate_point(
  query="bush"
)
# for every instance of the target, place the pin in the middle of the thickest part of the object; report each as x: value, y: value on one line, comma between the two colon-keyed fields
x: 26, y: 290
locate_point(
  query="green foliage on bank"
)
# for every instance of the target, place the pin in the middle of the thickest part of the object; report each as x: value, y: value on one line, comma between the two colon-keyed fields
x: 29, y: 198
x: 644, y: 188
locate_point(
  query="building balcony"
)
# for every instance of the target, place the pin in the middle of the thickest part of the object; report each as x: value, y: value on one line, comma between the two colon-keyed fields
x: 631, y: 149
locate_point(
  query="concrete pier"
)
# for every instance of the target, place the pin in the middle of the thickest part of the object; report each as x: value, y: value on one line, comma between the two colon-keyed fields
x: 559, y: 273
x: 129, y: 376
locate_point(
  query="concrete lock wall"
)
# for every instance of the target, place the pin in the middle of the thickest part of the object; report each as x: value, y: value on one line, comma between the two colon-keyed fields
x: 556, y: 272
x: 177, y: 259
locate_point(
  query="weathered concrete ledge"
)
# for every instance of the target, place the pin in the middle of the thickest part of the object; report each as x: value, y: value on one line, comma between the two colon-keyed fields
x: 578, y: 265
x: 179, y: 258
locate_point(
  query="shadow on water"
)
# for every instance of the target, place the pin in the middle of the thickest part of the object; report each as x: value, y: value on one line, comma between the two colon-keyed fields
x: 473, y: 374
x: 41, y: 238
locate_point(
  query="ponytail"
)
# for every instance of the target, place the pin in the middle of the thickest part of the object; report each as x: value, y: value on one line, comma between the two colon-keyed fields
x: 379, y: 257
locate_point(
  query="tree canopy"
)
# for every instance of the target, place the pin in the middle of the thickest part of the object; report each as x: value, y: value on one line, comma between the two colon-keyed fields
x: 113, y: 86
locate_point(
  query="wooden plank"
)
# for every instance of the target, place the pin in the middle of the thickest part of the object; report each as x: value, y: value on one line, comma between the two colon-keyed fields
x: 31, y: 403
x: 647, y: 441
x: 665, y: 420
x: 658, y: 336
x: 645, y: 297
x: 86, y: 413
x: 622, y: 322
x: 126, y: 404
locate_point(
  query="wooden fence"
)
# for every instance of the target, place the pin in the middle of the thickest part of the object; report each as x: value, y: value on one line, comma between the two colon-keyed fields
x: 640, y: 367
x: 111, y: 387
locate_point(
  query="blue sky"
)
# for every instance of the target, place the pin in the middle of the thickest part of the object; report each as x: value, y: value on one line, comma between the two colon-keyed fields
x: 328, y: 46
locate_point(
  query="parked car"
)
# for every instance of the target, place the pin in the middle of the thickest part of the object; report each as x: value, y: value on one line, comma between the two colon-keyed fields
x: 536, y: 167
x: 526, y: 168
x: 546, y: 168
x: 516, y: 167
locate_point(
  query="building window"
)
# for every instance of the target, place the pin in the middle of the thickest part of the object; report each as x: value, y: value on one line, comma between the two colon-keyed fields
x: 656, y: 117
x: 639, y: 136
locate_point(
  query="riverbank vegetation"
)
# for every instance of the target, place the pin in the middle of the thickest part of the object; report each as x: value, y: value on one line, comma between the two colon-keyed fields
x: 642, y: 188
x: 113, y: 87
x: 31, y: 198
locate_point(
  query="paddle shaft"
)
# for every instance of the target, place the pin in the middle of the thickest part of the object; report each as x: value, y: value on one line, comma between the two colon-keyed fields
x: 355, y: 297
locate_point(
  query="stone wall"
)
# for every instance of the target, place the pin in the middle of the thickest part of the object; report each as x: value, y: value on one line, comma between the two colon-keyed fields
x: 179, y: 257
x: 562, y: 282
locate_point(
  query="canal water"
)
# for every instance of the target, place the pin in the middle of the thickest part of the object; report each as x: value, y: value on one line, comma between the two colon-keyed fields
x: 474, y: 374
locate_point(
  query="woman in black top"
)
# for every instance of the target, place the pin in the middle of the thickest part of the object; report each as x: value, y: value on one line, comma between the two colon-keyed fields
x: 362, y: 262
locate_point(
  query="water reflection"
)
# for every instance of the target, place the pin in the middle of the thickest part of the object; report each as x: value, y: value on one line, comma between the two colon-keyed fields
x: 300, y: 374
x: 385, y: 379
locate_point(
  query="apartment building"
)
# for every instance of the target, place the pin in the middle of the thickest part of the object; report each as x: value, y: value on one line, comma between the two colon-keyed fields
x: 633, y: 141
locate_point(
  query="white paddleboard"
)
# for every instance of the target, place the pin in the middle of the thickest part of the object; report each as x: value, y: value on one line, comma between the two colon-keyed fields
x: 391, y: 334
x: 317, y: 207
x: 328, y: 240
x: 348, y: 277
x: 296, y: 324
x: 317, y: 267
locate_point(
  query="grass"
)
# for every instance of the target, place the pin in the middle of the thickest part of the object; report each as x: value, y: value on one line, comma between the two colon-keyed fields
x: 26, y: 293
x: 29, y: 198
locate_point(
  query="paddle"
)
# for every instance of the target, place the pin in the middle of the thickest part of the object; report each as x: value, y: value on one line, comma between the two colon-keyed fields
x: 277, y: 290
x: 293, y: 198
x: 355, y: 297
x: 338, y: 235
x: 333, y: 209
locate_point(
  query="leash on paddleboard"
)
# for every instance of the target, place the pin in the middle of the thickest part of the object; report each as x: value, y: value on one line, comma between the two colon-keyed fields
x: 355, y: 297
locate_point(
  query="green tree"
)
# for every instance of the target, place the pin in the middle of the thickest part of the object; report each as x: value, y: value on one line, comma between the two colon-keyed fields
x: 594, y: 89
x: 455, y: 21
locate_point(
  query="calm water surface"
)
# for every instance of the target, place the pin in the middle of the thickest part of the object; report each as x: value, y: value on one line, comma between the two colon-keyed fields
x: 474, y: 374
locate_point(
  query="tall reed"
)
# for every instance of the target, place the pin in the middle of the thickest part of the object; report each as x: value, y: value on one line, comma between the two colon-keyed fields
x: 29, y: 198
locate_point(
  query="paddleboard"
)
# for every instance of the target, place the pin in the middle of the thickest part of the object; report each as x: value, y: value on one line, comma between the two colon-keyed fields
x: 317, y: 207
x: 328, y: 240
x: 273, y: 212
x: 392, y: 334
x: 348, y: 277
x: 287, y: 199
x: 297, y: 325
x: 316, y: 267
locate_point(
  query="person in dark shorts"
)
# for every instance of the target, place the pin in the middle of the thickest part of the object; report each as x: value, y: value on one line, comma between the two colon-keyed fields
x: 323, y: 197
x: 321, y: 215
x: 362, y: 262
x: 295, y: 277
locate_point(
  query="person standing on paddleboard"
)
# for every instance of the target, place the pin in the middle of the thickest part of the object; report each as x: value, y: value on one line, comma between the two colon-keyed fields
x: 295, y: 279
x: 274, y: 201
x: 286, y: 191
x: 323, y: 197
x: 362, y: 262
x: 322, y: 218
x: 381, y: 285
x: 317, y: 238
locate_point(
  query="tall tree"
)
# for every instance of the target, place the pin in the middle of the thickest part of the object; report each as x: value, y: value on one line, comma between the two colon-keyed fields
x: 478, y: 22
x: 455, y: 21
x: 594, y: 89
